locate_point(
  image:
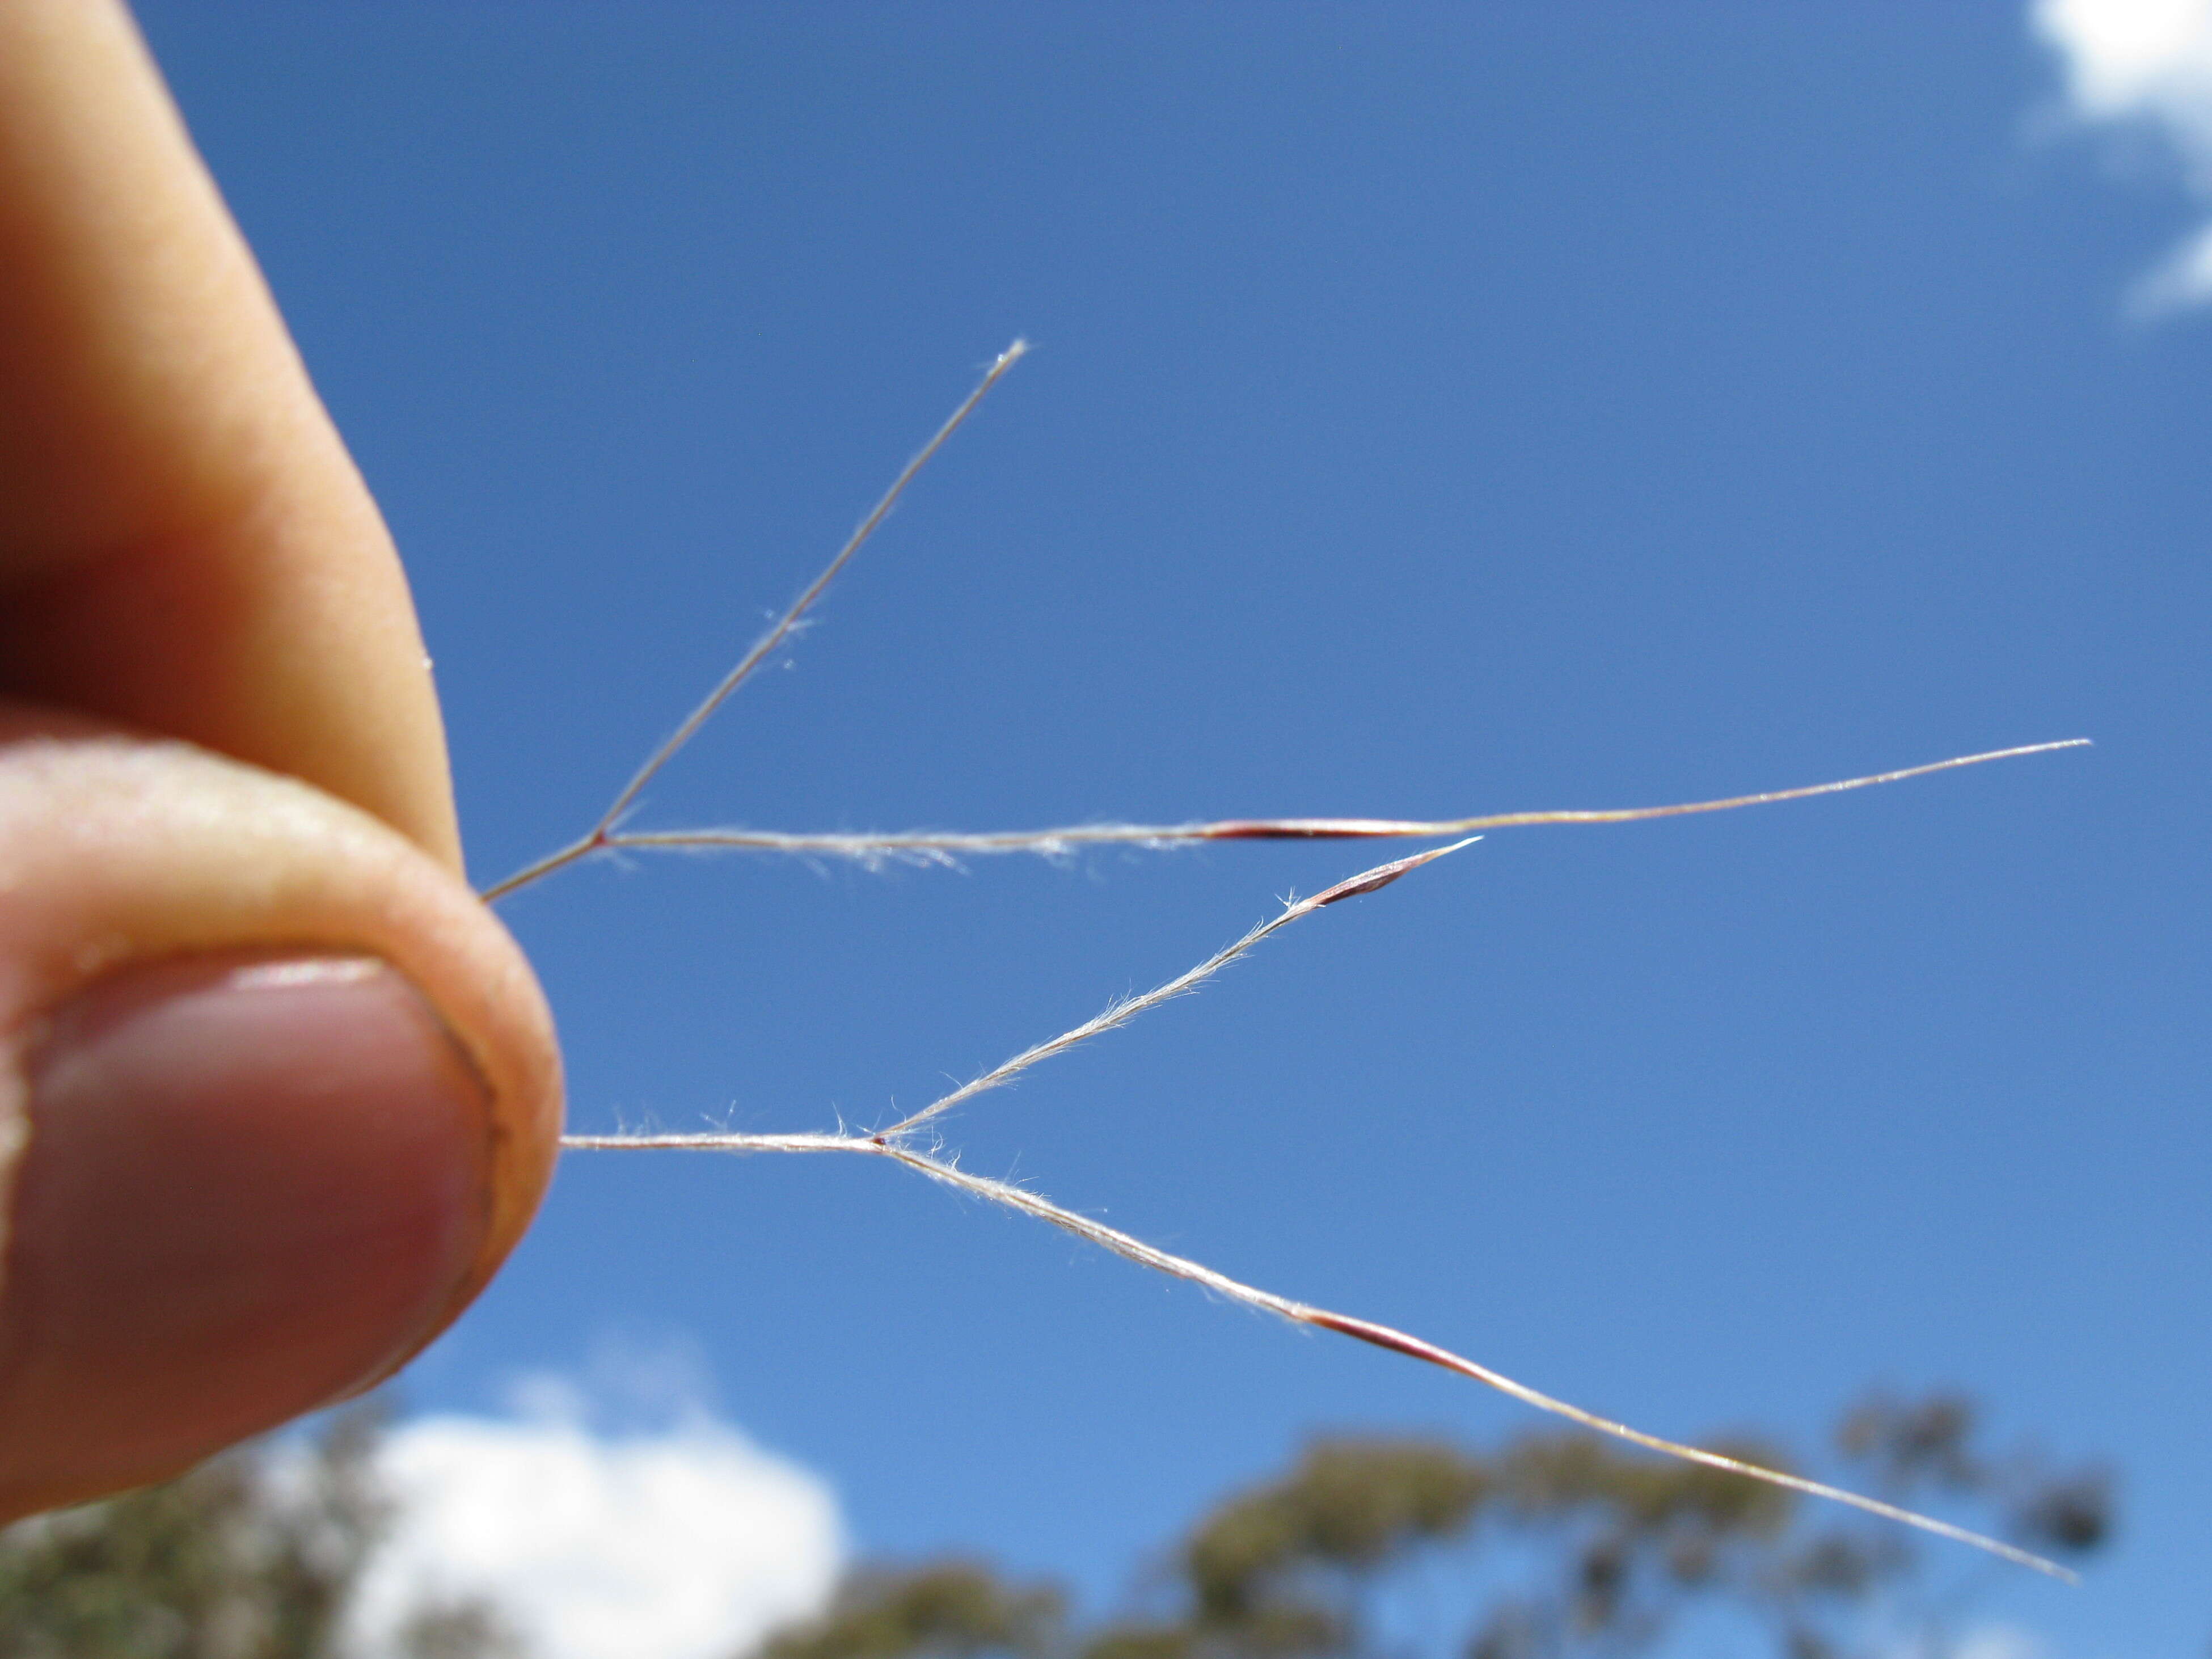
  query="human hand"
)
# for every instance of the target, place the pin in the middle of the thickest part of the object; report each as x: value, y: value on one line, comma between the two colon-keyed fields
x: 277, y: 1094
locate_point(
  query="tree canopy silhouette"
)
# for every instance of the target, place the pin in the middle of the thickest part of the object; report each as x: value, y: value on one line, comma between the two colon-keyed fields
x: 1563, y: 1542
x: 1579, y: 1546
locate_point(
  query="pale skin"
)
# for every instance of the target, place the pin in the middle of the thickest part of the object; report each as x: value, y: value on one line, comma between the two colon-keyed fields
x: 224, y: 808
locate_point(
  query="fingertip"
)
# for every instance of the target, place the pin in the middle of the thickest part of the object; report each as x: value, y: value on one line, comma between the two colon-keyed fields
x: 285, y: 1096
x: 250, y: 1182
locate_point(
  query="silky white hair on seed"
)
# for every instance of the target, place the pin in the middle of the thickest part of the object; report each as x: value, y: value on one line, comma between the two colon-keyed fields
x: 905, y: 1141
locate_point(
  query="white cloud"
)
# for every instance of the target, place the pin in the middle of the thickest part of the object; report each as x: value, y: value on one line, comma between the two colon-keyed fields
x: 2145, y: 65
x: 2000, y: 1642
x: 1983, y: 1641
x: 688, y: 1542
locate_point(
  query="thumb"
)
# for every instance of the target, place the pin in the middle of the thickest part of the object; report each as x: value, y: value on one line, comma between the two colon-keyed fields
x: 276, y: 1097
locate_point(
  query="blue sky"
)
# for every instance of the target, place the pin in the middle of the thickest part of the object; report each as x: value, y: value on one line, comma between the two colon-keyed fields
x: 1434, y: 411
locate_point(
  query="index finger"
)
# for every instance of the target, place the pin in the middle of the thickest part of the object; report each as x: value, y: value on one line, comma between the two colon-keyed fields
x: 185, y: 544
